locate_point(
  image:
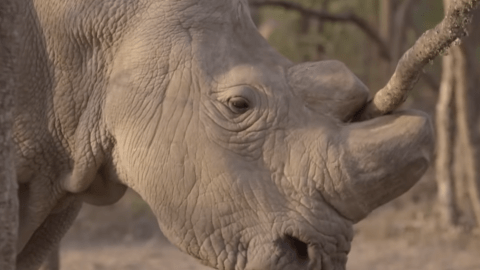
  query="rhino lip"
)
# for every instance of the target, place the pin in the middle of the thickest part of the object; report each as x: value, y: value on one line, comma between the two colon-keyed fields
x: 311, y: 253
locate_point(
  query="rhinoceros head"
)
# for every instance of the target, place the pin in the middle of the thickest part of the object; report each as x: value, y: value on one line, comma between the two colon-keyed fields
x: 247, y: 160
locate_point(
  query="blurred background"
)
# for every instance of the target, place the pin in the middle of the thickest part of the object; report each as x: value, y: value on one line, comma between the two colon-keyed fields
x: 433, y: 226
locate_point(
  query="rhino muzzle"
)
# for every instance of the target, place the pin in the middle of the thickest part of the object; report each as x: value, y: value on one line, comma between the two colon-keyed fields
x: 382, y: 159
x: 379, y: 159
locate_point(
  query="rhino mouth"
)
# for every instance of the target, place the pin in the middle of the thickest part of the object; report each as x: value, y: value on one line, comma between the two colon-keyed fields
x: 372, y: 173
x: 299, y: 253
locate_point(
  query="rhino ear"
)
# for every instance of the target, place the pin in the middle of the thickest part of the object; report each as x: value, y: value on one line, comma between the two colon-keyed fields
x: 89, y: 178
x: 328, y: 87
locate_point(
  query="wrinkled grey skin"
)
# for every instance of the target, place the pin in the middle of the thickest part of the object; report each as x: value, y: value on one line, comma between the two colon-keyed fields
x: 247, y: 160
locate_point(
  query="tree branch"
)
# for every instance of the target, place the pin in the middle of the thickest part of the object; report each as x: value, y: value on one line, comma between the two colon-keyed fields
x: 325, y: 16
x: 426, y: 48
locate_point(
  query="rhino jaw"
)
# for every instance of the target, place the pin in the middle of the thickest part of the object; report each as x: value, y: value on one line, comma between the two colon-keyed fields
x: 382, y: 159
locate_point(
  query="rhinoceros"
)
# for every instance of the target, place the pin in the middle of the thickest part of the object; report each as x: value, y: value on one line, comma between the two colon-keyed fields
x: 248, y: 161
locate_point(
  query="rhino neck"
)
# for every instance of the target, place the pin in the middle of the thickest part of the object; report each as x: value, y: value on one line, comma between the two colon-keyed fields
x: 67, y: 49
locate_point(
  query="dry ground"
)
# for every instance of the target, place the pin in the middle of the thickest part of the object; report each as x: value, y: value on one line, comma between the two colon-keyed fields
x: 401, y: 235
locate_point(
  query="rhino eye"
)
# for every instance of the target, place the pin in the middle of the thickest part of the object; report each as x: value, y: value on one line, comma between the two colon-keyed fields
x: 238, y: 104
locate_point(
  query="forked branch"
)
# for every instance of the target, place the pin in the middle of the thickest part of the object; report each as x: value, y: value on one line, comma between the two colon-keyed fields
x: 426, y: 48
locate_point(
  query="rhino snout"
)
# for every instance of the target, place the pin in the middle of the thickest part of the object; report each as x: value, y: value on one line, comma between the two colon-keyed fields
x: 382, y: 159
x: 291, y: 252
x: 379, y: 159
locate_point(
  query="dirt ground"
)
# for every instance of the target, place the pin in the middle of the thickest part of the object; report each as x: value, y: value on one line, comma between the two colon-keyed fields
x: 400, y: 235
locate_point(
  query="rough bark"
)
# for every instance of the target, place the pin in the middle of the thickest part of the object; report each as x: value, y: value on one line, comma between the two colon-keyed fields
x: 8, y: 185
x: 426, y: 48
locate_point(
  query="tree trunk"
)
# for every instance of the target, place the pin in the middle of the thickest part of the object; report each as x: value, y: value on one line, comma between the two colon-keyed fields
x: 465, y: 132
x: 467, y: 87
x: 386, y: 32
x: 386, y: 20
x: 8, y: 184
x: 397, y: 42
x: 443, y: 163
x: 457, y: 176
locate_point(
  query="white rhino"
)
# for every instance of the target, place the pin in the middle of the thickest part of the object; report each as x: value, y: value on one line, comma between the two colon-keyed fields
x: 248, y: 160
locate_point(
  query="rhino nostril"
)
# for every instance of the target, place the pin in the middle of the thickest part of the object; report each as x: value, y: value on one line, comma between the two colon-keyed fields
x: 300, y: 247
